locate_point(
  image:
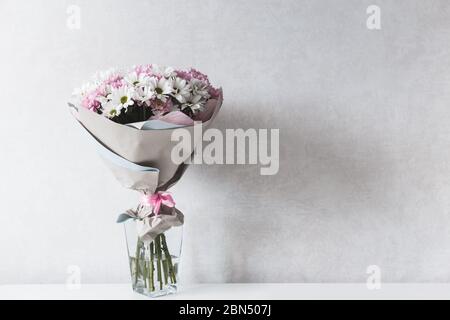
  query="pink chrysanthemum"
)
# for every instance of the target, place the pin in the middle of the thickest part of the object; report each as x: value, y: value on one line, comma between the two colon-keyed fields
x: 214, y: 92
x: 147, y: 69
x: 198, y: 75
x: 185, y: 75
x: 115, y: 81
x: 90, y: 102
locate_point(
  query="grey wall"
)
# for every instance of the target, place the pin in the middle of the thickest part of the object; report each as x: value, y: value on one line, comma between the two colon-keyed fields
x: 364, y: 139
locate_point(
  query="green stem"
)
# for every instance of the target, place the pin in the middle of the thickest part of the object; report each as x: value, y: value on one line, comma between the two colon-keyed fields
x: 166, y: 271
x: 158, y: 264
x: 144, y: 268
x: 137, y: 260
x: 168, y: 258
x: 152, y: 266
x: 147, y: 275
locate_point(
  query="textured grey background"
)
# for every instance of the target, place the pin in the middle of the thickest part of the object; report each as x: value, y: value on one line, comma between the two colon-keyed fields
x: 364, y: 139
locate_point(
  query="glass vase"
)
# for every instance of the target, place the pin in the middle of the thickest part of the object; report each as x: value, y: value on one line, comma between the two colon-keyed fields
x: 154, y: 265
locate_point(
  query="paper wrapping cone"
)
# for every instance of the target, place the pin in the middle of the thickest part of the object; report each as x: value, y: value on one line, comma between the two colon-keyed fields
x: 148, y: 148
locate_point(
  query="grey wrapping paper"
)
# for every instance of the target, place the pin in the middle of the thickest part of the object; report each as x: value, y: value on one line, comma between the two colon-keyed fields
x: 150, y: 148
x: 149, y: 225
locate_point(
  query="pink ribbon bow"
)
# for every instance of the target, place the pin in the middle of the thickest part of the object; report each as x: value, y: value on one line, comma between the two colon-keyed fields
x: 155, y: 200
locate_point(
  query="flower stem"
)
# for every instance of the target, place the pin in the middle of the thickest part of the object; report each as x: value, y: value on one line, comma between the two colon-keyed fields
x: 166, y: 271
x: 144, y: 267
x: 168, y: 258
x: 137, y: 260
x: 158, y: 264
x: 152, y: 266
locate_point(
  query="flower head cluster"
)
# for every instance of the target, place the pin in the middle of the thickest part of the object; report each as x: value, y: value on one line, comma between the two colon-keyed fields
x: 146, y: 91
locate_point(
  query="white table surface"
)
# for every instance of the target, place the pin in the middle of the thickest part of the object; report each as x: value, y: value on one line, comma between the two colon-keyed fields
x: 231, y: 291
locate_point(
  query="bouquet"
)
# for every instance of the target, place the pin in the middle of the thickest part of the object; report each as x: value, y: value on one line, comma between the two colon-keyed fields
x: 130, y: 116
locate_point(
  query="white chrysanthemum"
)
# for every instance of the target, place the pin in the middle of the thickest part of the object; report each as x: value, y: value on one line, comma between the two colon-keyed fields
x: 145, y: 94
x: 181, y: 90
x: 161, y: 88
x: 104, y: 75
x: 166, y: 72
x: 138, y: 80
x: 169, y: 72
x: 121, y: 98
x: 196, y: 103
x: 110, y: 110
x: 102, y: 99
x: 199, y: 88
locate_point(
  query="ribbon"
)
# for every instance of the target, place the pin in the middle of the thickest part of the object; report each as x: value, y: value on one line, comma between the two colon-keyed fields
x: 155, y: 200
x: 155, y: 214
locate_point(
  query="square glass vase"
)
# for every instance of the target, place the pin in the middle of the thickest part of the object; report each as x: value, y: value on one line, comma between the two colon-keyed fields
x: 154, y: 265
